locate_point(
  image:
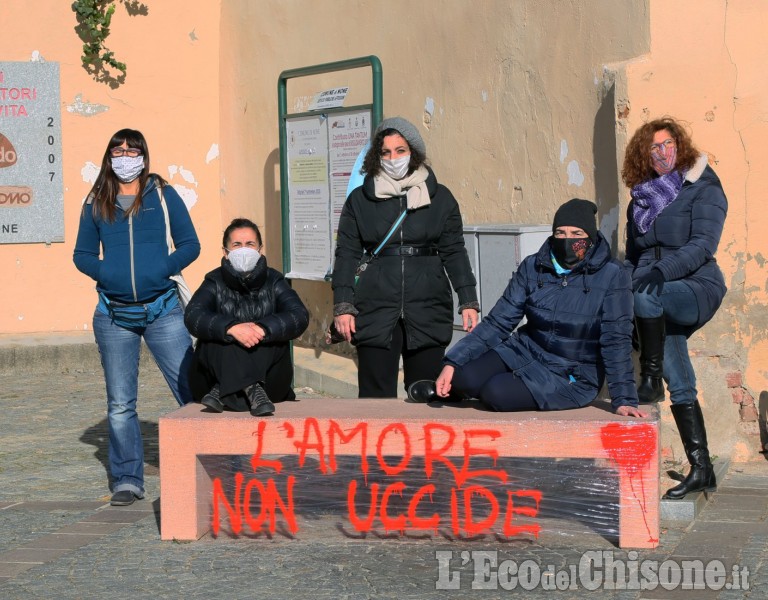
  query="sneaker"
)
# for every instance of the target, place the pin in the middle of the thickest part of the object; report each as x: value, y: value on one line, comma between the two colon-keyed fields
x: 212, y: 400
x: 261, y: 405
x: 122, y: 498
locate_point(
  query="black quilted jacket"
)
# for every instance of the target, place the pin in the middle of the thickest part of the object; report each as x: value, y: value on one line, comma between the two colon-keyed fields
x: 226, y: 298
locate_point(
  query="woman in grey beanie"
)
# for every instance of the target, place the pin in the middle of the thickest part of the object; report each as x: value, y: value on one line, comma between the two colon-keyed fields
x: 397, y: 301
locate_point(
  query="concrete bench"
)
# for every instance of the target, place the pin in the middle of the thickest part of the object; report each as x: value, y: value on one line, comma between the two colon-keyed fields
x: 321, y: 429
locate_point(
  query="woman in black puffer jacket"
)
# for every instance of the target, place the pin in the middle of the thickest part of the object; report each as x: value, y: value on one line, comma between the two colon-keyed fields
x: 674, y: 223
x: 244, y: 315
x: 401, y: 304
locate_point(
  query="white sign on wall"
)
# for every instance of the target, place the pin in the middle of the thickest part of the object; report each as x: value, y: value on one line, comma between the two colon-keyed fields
x: 321, y: 153
x: 31, y: 181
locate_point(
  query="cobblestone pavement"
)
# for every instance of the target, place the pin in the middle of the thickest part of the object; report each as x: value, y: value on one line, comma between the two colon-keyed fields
x: 59, y: 538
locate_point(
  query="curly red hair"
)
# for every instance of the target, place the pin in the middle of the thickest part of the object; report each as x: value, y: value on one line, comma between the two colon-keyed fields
x: 637, y: 160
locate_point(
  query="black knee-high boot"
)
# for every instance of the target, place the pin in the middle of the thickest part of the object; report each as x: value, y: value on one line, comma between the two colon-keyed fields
x: 650, y: 334
x: 690, y: 424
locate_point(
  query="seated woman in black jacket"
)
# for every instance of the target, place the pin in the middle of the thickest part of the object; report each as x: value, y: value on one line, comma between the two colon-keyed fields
x: 244, y: 315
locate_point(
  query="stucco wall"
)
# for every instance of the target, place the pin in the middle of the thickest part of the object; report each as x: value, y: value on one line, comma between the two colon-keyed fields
x: 171, y: 94
x: 522, y: 105
x: 511, y: 97
x: 706, y: 67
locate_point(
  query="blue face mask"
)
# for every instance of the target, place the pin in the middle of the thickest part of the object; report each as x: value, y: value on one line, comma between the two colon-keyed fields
x: 127, y: 168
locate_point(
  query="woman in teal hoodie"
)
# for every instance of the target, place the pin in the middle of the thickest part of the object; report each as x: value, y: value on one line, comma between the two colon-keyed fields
x: 122, y: 245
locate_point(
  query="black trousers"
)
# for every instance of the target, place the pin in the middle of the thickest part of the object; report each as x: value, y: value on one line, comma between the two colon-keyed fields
x: 235, y: 368
x: 378, y: 367
x: 489, y: 379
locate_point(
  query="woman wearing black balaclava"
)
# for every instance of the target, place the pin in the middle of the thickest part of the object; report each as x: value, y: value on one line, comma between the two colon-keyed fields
x: 577, y: 304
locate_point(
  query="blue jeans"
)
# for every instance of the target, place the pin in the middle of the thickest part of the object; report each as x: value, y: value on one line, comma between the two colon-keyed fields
x: 171, y: 345
x: 680, y: 308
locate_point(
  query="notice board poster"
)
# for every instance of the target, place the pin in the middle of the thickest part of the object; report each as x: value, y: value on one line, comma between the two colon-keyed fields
x: 31, y: 181
x: 321, y: 152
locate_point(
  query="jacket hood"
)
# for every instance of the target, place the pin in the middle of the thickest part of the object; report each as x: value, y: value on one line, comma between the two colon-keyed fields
x: 370, y: 191
x: 697, y: 170
x: 151, y: 184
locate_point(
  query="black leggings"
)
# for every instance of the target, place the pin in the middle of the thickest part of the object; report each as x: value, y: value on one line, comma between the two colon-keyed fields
x: 377, y: 368
x: 489, y: 379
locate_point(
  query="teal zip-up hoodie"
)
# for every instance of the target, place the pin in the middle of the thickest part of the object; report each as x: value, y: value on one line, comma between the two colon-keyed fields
x: 135, y: 265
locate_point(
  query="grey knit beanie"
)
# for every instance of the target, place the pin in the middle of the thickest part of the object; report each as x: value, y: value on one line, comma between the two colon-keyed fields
x: 407, y: 130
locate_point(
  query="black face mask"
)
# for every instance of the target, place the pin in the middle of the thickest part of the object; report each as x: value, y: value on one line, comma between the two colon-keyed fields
x: 569, y: 252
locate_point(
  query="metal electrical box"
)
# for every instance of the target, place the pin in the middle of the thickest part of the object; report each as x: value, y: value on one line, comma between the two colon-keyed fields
x: 495, y: 253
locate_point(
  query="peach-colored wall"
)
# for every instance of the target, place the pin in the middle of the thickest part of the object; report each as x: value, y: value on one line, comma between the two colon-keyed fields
x: 706, y: 66
x: 521, y: 104
x: 509, y: 97
x: 171, y: 94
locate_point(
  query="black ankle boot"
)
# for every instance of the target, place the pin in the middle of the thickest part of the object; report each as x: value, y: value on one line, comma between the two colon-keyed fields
x: 690, y: 424
x: 650, y: 334
x: 422, y: 391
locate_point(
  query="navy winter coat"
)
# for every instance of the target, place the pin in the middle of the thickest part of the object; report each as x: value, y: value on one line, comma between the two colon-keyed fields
x: 683, y: 239
x: 578, y: 330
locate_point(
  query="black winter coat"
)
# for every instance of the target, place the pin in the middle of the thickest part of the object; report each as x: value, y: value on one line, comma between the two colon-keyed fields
x: 226, y: 298
x: 414, y: 288
x: 578, y: 330
x: 683, y: 239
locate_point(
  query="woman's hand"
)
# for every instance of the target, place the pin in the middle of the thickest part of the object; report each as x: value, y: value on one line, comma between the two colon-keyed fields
x: 247, y: 334
x: 443, y: 383
x: 345, y: 325
x: 630, y: 411
x: 469, y: 316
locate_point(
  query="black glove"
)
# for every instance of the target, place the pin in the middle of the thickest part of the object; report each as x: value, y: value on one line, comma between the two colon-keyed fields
x: 652, y: 280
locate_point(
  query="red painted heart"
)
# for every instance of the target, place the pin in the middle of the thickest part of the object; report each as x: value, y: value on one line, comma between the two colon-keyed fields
x: 630, y: 446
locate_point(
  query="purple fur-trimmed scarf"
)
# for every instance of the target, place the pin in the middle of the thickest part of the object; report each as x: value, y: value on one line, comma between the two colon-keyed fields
x: 653, y: 196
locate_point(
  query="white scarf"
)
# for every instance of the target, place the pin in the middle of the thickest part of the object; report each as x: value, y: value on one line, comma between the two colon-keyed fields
x: 413, y: 186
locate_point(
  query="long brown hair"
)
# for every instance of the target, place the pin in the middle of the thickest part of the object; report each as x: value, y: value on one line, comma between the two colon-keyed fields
x: 103, y: 194
x: 637, y: 160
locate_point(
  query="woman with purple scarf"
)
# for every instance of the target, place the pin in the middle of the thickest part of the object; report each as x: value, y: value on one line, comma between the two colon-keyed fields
x: 674, y: 223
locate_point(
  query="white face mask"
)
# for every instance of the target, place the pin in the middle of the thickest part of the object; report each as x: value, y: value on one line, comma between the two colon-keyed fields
x: 243, y: 260
x: 396, y: 168
x: 127, y: 168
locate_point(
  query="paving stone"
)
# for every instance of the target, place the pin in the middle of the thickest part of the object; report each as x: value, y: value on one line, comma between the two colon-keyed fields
x: 116, y: 516
x: 9, y: 570
x: 89, y: 528
x: 56, y: 506
x: 34, y: 555
x: 58, y: 541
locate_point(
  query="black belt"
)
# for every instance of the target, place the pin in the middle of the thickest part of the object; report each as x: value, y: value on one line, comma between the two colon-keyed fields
x: 409, y: 251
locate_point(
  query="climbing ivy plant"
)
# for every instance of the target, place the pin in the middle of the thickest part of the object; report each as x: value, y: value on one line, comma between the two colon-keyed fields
x: 94, y: 18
